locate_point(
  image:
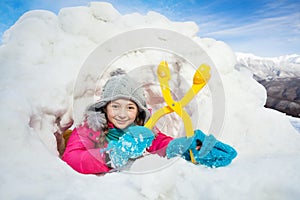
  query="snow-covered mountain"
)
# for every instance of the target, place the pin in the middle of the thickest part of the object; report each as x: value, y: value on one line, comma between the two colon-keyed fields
x: 270, y: 67
x: 281, y: 78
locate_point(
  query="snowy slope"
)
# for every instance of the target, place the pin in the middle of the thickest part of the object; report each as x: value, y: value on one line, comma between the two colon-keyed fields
x: 270, y: 68
x: 40, y: 59
x: 280, y: 76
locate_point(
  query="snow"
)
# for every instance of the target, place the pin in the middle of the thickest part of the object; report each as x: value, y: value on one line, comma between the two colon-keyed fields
x: 295, y: 122
x: 40, y: 59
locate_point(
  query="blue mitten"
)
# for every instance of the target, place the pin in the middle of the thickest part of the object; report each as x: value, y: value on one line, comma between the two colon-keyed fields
x: 130, y: 146
x: 179, y: 146
x: 143, y: 138
x: 220, y: 155
x: 212, y: 153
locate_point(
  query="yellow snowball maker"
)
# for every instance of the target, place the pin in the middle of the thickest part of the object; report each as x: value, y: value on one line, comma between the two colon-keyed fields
x: 201, y: 77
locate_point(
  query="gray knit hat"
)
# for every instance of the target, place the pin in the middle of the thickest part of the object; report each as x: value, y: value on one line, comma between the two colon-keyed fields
x: 120, y: 85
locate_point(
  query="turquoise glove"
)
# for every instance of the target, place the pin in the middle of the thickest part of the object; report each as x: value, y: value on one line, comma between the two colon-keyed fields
x: 130, y: 146
x: 212, y: 153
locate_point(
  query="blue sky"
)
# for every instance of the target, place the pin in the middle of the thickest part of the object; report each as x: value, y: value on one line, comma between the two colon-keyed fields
x: 261, y: 27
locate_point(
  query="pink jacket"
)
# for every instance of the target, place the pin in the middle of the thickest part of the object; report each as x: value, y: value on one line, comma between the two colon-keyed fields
x: 82, y: 155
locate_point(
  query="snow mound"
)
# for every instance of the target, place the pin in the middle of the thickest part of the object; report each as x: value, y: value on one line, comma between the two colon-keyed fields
x: 40, y: 58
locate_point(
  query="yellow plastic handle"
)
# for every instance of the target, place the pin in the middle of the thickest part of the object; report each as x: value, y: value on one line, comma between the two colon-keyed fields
x: 201, y: 77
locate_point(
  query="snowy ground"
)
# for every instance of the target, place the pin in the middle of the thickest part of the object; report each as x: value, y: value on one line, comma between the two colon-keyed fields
x: 296, y: 123
x: 40, y: 59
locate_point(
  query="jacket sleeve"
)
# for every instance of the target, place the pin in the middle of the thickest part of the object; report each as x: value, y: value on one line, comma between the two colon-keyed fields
x: 82, y: 155
x: 160, y: 144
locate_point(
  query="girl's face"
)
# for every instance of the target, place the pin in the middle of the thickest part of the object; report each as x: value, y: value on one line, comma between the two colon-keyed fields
x: 121, y: 112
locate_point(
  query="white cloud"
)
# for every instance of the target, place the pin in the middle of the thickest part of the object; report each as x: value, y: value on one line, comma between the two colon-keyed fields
x: 271, y: 21
x: 278, y: 35
x: 283, y: 25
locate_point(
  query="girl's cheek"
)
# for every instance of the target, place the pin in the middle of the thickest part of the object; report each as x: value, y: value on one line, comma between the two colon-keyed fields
x: 132, y: 113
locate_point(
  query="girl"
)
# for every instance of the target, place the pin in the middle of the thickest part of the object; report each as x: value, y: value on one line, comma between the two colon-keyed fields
x: 113, y: 133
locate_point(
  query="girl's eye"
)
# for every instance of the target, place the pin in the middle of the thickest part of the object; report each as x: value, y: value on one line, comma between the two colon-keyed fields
x: 131, y: 107
x: 114, y: 106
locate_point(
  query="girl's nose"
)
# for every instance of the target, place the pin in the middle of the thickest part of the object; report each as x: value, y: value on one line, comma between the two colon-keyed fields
x: 122, y: 113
